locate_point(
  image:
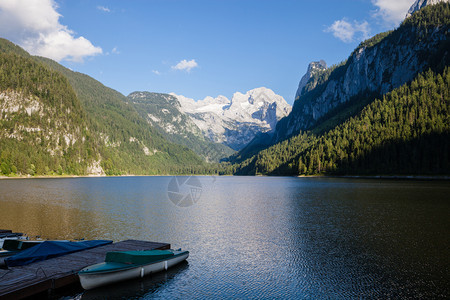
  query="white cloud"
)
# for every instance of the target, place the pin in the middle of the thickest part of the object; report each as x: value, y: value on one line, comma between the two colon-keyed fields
x: 156, y: 72
x: 392, y: 11
x: 115, y: 51
x: 348, y: 32
x: 35, y: 26
x: 186, y: 65
x: 103, y: 8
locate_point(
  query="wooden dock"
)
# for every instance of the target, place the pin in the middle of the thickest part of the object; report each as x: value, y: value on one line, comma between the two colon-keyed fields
x: 26, y: 281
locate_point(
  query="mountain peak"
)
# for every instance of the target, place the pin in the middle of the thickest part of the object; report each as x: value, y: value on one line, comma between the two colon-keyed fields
x: 236, y: 122
x: 258, y: 96
x: 419, y: 4
x: 313, y: 68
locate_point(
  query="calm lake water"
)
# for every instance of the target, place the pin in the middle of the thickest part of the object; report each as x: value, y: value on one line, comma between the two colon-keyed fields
x: 254, y: 237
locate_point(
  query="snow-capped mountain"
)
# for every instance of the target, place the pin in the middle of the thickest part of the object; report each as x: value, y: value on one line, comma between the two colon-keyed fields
x: 419, y: 4
x: 237, y: 121
x: 163, y: 112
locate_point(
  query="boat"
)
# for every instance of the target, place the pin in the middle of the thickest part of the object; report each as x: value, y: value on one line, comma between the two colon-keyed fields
x: 9, y: 235
x: 11, y: 247
x: 51, y: 249
x: 125, y: 265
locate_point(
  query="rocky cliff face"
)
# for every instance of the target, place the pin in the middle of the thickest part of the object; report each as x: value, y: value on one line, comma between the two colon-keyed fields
x: 237, y: 121
x: 314, y: 69
x: 377, y: 66
x: 419, y: 4
x: 164, y: 111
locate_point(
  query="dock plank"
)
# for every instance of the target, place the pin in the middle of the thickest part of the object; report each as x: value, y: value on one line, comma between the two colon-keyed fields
x: 25, y: 281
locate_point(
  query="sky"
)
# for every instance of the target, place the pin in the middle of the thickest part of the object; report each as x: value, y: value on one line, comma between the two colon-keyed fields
x: 196, y: 48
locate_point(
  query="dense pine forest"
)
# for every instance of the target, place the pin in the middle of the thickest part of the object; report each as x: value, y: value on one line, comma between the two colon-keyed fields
x: 405, y: 132
x: 43, y: 124
x: 58, y: 122
x: 124, y: 132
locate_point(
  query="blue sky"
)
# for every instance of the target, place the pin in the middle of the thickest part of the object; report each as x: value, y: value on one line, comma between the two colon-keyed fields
x: 196, y: 48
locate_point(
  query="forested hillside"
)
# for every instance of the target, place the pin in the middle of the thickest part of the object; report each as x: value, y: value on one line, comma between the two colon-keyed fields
x: 376, y: 67
x: 132, y: 145
x: 406, y: 132
x: 163, y: 112
x: 43, y: 128
x: 55, y: 121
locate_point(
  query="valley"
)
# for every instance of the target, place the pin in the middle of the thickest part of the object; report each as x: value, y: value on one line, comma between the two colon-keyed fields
x: 384, y: 110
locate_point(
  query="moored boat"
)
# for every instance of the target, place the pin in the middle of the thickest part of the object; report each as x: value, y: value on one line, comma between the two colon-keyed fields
x: 9, y: 235
x: 51, y: 249
x: 125, y: 265
x: 11, y: 247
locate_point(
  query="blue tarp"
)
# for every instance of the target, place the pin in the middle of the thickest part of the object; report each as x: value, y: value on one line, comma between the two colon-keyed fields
x: 50, y: 249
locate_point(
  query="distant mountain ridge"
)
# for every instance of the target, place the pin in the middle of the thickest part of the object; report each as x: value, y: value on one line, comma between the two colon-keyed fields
x: 163, y: 112
x: 236, y: 121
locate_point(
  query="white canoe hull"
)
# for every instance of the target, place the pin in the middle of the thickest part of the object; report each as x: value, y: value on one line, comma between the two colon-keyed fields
x: 2, y: 240
x: 90, y: 281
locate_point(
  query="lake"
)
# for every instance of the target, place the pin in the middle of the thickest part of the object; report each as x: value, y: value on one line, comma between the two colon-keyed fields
x: 253, y: 237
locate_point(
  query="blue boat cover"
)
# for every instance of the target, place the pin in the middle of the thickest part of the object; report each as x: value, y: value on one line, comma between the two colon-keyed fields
x: 51, y: 249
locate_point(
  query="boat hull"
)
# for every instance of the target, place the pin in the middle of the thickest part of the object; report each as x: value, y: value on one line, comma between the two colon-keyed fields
x: 4, y: 254
x: 93, y: 280
x: 11, y: 236
x: 13, y: 246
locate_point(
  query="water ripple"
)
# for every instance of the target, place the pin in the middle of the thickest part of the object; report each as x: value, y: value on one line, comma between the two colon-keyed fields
x: 255, y: 237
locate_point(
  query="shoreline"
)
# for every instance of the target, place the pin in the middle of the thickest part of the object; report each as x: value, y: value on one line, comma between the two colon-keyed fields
x: 69, y: 176
x: 390, y: 177
x: 395, y: 177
